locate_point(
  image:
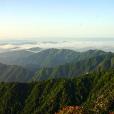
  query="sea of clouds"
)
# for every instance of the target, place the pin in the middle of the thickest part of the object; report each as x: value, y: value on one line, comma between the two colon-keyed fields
x: 75, y: 45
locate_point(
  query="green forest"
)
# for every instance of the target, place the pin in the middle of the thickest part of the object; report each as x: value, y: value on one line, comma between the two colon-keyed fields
x: 82, y: 85
x: 93, y: 91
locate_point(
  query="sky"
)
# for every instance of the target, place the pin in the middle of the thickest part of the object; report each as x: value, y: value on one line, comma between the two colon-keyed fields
x: 44, y: 19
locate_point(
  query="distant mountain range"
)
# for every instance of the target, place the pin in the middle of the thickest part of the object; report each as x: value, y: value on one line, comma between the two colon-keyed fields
x: 52, y: 64
x: 45, y: 58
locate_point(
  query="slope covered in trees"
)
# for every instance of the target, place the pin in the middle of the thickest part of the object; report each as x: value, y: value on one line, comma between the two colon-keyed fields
x: 42, y: 97
x: 94, y: 92
x: 77, y: 68
x: 70, y: 70
x: 11, y: 73
x: 101, y: 97
x: 87, y: 82
x: 14, y: 57
x: 46, y: 58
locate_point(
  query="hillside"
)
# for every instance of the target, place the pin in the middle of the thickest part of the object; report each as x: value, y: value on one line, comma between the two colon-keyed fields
x: 14, y: 57
x: 11, y: 73
x: 45, y: 97
x: 101, y: 98
x: 94, y: 92
x: 84, y: 86
x: 105, y: 61
x: 97, y: 60
x: 46, y: 58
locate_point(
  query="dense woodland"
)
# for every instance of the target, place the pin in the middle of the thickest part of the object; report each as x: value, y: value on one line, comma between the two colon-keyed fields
x: 82, y: 85
x: 94, y: 92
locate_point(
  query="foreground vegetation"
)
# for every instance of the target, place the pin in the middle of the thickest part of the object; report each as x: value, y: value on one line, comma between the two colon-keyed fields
x: 94, y: 92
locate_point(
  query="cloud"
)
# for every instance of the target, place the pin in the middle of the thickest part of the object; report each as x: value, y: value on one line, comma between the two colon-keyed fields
x: 75, y: 45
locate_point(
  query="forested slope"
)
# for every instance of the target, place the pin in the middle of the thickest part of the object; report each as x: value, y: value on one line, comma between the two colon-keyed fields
x: 92, y: 91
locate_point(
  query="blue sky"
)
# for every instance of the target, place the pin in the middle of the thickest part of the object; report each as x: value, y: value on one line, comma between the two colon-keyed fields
x: 56, y: 18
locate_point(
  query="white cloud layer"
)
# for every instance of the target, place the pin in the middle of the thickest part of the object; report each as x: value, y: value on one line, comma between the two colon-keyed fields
x: 75, y: 45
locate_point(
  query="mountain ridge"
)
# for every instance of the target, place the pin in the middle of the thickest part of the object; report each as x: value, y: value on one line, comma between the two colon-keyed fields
x: 45, y: 58
x: 95, y: 60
